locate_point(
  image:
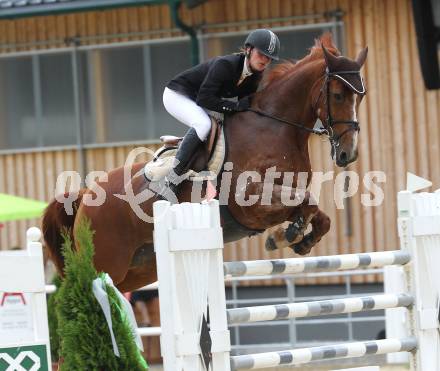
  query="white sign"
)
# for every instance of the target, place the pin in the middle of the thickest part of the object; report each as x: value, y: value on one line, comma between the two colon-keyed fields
x: 16, y: 317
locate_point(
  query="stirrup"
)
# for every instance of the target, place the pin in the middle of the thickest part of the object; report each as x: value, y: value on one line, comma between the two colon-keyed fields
x: 165, y: 190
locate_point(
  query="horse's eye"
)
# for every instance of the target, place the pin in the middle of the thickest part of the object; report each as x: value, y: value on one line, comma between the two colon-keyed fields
x: 339, y: 97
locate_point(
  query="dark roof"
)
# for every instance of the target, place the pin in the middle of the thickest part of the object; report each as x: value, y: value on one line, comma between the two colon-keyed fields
x: 28, y: 8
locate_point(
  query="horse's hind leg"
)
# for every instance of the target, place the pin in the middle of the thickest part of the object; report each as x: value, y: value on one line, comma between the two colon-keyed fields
x: 142, y: 269
x: 320, y: 226
x: 138, y: 277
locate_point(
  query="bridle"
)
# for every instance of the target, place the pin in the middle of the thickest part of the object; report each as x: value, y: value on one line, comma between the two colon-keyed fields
x: 330, y: 122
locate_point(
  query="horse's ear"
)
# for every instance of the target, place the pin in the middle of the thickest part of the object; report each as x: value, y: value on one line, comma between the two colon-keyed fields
x: 329, y: 57
x: 362, y: 56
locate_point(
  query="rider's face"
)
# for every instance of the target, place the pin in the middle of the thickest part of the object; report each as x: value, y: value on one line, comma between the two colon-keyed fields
x: 258, y: 61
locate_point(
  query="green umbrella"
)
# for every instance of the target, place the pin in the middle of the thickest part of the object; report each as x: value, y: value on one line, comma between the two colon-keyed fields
x: 15, y: 208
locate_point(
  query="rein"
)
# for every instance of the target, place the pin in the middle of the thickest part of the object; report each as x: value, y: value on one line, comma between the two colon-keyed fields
x: 299, y: 126
x: 330, y: 122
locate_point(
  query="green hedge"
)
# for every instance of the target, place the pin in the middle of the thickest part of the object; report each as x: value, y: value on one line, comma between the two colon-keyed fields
x: 85, y: 342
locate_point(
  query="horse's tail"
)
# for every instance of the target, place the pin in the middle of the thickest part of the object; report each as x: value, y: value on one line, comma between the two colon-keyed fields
x: 56, y: 222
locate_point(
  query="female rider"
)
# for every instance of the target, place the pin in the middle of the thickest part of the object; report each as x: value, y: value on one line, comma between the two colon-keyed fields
x: 190, y: 94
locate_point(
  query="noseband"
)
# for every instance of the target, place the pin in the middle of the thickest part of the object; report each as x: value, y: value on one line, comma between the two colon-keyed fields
x: 330, y: 122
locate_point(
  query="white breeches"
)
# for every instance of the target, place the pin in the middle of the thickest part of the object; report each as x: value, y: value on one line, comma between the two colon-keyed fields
x: 187, y: 111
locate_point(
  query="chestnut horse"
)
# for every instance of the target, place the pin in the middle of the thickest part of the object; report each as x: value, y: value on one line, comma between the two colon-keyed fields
x: 273, y: 133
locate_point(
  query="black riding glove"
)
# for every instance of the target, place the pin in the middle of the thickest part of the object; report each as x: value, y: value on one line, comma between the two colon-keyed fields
x: 243, y: 104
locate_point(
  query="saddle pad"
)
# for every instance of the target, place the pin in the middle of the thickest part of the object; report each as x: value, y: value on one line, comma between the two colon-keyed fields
x: 163, y: 160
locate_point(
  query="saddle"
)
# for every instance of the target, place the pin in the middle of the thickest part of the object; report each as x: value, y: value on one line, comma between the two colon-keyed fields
x: 209, y: 156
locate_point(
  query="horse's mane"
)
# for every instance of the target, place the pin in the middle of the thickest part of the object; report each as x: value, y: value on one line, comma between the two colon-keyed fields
x: 289, y: 66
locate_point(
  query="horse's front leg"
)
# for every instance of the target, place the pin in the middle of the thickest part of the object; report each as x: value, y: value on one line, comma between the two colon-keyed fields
x: 293, y: 235
x: 300, y: 218
x: 320, y: 226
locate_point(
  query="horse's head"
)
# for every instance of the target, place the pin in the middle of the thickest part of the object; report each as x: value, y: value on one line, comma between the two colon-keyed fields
x: 338, y: 102
x: 328, y: 83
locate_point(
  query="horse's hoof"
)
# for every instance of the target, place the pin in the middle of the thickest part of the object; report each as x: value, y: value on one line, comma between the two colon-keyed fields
x: 270, y: 244
x: 300, y: 249
x: 303, y: 247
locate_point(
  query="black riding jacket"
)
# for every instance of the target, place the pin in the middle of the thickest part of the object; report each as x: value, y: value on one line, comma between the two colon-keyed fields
x: 209, y: 82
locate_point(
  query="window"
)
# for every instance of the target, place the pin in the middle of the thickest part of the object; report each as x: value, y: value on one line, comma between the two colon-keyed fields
x: 125, y: 89
x: 18, y: 127
x: 36, y: 98
x: 120, y: 75
x: 167, y: 60
x: 57, y: 123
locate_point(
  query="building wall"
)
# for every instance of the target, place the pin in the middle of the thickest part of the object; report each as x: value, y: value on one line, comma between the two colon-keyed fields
x: 399, y: 118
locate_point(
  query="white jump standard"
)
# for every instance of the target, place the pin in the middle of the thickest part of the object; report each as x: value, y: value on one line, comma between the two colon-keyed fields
x: 24, y: 331
x: 191, y: 272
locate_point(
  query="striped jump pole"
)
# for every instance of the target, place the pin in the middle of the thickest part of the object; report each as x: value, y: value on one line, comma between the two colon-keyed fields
x: 317, y: 308
x: 306, y: 355
x: 315, y: 264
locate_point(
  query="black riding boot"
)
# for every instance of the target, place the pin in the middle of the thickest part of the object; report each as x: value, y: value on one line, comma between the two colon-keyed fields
x: 186, y: 149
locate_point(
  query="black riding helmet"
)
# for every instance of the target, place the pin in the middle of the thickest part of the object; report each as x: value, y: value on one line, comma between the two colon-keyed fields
x: 265, y: 41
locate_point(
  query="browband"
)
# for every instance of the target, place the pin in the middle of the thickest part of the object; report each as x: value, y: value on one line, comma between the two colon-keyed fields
x: 346, y: 82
